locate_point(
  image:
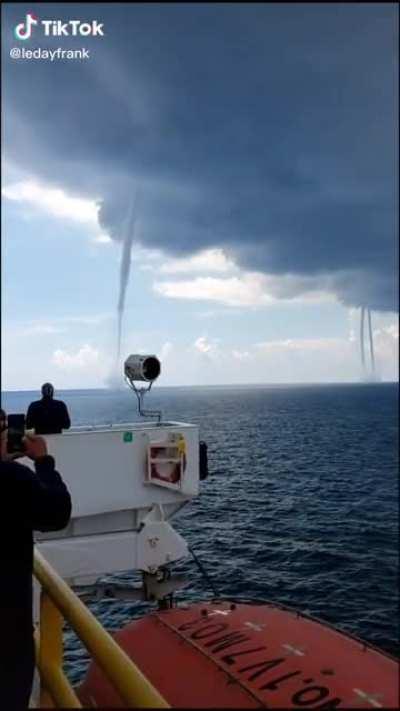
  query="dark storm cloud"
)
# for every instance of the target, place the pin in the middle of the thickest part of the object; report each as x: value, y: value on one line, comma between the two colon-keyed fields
x: 269, y: 130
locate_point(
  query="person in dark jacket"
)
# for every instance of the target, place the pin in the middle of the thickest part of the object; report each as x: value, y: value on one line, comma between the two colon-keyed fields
x: 48, y: 416
x: 29, y: 501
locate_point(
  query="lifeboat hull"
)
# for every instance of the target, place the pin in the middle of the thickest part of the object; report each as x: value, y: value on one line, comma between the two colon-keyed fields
x: 227, y: 655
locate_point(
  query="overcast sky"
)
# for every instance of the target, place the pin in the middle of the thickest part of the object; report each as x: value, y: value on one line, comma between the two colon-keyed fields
x: 256, y: 145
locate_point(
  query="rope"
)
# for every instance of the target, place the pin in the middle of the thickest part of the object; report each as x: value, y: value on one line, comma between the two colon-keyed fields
x: 204, y: 573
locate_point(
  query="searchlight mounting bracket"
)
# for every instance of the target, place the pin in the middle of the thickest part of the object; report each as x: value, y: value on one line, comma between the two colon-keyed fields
x: 140, y: 393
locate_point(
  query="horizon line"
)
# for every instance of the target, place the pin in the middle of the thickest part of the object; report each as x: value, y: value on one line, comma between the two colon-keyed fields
x: 218, y: 385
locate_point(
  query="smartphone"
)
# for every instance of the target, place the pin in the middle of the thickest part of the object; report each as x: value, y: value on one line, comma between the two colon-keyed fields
x: 16, y: 432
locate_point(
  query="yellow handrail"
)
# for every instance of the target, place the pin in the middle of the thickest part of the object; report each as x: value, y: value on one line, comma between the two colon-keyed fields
x: 126, y: 678
x: 55, y: 681
x: 54, y: 686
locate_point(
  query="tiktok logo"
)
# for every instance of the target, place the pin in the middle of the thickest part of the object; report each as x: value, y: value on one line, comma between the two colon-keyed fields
x: 23, y: 31
x: 58, y: 28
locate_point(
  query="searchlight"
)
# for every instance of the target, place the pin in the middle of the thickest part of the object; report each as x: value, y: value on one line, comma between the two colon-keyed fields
x: 142, y: 368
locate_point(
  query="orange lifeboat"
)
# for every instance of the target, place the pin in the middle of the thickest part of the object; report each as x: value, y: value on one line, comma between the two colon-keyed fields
x: 228, y: 655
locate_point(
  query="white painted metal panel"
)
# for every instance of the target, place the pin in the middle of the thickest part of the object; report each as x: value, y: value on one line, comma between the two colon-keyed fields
x: 82, y: 560
x: 106, y: 472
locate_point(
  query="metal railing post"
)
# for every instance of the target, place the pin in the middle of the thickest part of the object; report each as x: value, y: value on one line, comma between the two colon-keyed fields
x: 54, y: 688
x: 51, y: 645
x: 126, y: 678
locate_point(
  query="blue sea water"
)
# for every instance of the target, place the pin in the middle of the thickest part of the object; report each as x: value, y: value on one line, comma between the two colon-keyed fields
x: 301, y: 505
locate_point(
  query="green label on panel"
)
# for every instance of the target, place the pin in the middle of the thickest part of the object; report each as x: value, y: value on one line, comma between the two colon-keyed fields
x: 128, y: 437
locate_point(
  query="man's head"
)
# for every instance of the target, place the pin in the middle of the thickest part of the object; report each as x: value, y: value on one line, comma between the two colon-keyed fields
x: 47, y: 390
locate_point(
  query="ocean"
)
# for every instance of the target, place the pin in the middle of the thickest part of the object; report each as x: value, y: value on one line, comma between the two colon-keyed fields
x: 301, y: 503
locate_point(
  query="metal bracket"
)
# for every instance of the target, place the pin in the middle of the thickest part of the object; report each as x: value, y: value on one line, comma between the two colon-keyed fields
x: 110, y: 591
x: 140, y: 393
x: 155, y: 587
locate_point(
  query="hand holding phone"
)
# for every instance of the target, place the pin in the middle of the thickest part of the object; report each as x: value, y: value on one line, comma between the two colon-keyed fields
x: 34, y: 446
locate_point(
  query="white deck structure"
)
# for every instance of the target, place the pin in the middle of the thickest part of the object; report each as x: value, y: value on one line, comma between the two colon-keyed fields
x: 126, y: 481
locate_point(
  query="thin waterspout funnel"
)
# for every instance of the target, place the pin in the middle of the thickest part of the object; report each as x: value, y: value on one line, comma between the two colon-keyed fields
x: 371, y: 342
x: 362, y: 337
x: 125, y: 267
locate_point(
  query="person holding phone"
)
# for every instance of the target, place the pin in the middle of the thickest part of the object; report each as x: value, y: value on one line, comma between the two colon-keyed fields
x: 30, y: 500
x: 48, y: 416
